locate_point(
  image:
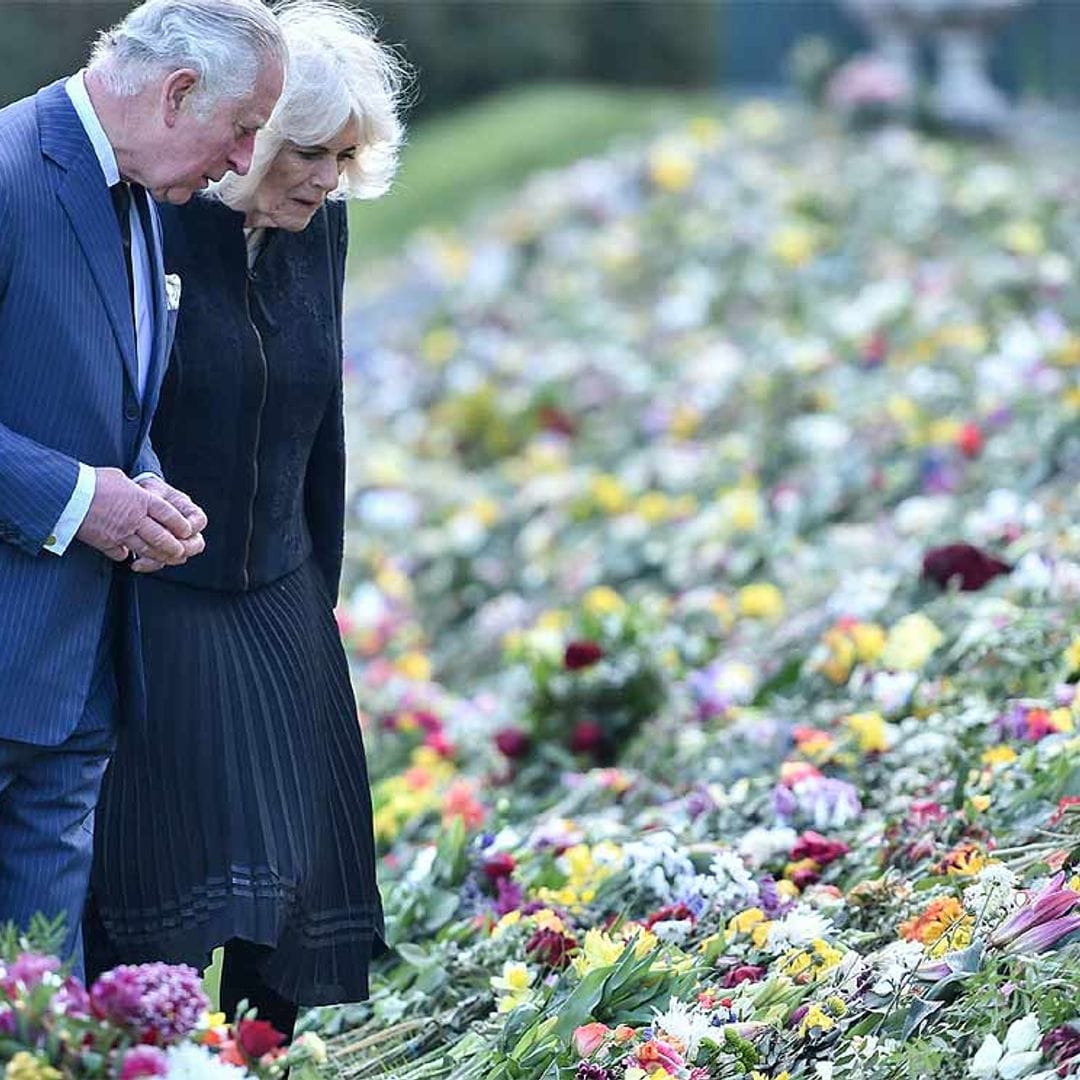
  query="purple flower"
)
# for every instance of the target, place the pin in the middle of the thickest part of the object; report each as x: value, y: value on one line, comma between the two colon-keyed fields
x: 1062, y: 1047
x: 144, y: 1061
x: 587, y: 1070
x: 72, y: 1000
x: 28, y: 971
x: 1041, y: 922
x: 508, y: 896
x: 822, y: 801
x: 7, y: 1020
x: 159, y: 1002
x: 769, y: 899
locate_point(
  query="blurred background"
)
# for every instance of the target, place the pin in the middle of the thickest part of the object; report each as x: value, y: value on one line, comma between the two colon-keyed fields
x: 525, y: 84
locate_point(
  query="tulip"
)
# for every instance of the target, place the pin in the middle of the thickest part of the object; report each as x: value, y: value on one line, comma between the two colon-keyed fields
x: 589, y: 1038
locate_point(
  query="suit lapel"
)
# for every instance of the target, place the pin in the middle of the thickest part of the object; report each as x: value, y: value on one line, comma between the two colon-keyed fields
x: 85, y: 198
x: 158, y: 354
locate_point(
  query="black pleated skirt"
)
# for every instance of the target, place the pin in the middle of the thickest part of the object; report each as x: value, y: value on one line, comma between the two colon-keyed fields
x: 239, y: 805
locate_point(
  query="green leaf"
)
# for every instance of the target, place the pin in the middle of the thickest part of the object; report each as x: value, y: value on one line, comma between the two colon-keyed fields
x: 918, y: 1012
x: 579, y: 1006
x: 414, y: 955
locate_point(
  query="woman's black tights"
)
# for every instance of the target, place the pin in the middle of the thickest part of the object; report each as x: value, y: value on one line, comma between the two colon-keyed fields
x: 240, y: 980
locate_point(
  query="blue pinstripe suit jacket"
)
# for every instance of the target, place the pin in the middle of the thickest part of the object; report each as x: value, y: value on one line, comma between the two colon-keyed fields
x: 67, y: 394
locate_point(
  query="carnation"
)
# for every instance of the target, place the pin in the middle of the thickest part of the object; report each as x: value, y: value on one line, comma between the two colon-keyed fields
x: 159, y: 1002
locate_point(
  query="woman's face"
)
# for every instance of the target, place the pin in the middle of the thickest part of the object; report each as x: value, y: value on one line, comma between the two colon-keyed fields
x: 300, y: 178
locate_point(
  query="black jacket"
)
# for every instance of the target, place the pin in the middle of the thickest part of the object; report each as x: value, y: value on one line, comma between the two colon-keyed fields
x: 250, y: 422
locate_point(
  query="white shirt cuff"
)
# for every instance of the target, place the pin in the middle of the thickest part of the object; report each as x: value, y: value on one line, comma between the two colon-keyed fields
x: 74, y: 513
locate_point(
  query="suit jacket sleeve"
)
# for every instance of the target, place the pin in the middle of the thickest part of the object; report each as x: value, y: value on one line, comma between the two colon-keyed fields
x: 36, y: 482
x: 324, y: 487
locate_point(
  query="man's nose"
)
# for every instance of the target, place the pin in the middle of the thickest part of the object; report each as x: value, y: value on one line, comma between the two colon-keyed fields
x: 242, y: 153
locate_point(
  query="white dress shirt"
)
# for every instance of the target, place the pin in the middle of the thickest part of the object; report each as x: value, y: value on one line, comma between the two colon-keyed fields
x: 74, y: 513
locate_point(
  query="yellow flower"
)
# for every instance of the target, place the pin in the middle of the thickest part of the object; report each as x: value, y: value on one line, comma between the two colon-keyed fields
x: 794, y: 963
x: 741, y: 508
x: 980, y: 802
x: 513, y: 984
x: 761, y: 600
x: 24, y: 1066
x: 603, y: 601
x: 671, y: 167
x: 546, y: 919
x: 793, y: 245
x: 1062, y: 720
x: 654, y: 507
x: 511, y: 918
x: 967, y: 336
x: 871, y: 730
x: 414, y: 665
x: 828, y: 956
x: 1072, y: 655
x: 869, y: 641
x: 998, y: 755
x: 746, y: 920
x: 816, y: 1017
x: 910, y: 643
x: 484, y: 510
x: 609, y: 494
x: 599, y: 950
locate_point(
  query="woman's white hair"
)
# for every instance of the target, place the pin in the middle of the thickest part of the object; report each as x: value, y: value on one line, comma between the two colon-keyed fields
x: 223, y: 40
x: 337, y: 71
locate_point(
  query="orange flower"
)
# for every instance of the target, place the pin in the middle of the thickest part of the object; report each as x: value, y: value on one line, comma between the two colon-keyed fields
x: 937, y: 920
x: 460, y: 801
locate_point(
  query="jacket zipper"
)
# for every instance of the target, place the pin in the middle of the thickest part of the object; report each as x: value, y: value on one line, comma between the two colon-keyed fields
x: 258, y: 434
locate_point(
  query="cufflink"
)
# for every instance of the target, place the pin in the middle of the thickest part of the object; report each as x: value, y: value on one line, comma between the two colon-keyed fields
x: 50, y: 540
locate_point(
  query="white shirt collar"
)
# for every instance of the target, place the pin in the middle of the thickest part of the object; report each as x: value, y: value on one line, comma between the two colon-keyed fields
x: 76, y: 90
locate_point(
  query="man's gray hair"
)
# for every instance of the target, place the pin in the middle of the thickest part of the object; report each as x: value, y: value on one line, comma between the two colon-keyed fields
x: 225, y: 41
x: 337, y: 70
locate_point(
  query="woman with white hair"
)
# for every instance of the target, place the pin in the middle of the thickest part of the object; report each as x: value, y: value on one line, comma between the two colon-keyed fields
x: 237, y: 811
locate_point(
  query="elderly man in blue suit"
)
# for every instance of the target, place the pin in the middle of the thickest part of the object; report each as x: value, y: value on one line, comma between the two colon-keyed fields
x: 171, y: 100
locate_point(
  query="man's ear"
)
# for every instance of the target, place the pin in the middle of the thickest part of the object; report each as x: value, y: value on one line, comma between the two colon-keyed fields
x: 176, y: 88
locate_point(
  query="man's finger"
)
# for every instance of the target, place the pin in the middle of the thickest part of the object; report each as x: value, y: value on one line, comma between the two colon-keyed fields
x: 195, y: 515
x: 118, y: 553
x: 194, y: 545
x: 157, y: 542
x: 166, y: 514
x: 146, y: 566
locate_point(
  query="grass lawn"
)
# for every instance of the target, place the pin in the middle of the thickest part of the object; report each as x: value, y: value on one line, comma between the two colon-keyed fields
x: 453, y: 162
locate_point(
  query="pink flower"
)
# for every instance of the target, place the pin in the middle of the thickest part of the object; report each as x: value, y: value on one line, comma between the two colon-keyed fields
x: 157, y: 1002
x: 589, y: 1038
x: 1041, y: 922
x: 812, y: 845
x: 499, y: 865
x: 144, y: 1061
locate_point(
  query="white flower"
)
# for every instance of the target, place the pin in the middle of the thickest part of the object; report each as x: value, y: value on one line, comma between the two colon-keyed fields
x: 760, y: 845
x: 797, y: 928
x: 687, y: 1024
x: 993, y: 893
x: 190, y: 1062
x: 1018, y: 1057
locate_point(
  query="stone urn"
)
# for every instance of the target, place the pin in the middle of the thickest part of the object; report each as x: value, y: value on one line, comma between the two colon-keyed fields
x: 963, y: 97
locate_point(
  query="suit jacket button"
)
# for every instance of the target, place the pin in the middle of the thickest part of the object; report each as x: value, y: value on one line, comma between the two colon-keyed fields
x: 131, y: 412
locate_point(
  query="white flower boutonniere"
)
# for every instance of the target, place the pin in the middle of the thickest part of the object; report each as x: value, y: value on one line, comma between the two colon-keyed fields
x: 172, y: 292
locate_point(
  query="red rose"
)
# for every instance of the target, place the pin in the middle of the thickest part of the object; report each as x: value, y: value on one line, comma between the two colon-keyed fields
x: 551, y: 948
x: 973, y: 568
x: 258, y: 1037
x: 970, y: 440
x: 812, y: 845
x: 742, y: 973
x: 553, y: 419
x: 582, y: 654
x: 670, y: 913
x: 499, y: 865
x: 513, y: 742
x: 587, y: 737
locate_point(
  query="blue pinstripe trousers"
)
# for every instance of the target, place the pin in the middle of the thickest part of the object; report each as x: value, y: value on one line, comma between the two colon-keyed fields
x: 47, y: 799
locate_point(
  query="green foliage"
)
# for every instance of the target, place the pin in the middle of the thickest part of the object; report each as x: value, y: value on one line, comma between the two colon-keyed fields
x: 44, y: 935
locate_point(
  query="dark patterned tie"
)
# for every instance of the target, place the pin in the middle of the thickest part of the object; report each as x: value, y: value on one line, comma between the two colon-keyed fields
x: 121, y: 197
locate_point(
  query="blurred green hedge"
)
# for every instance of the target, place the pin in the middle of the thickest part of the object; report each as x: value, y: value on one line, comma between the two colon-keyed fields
x: 460, y: 48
